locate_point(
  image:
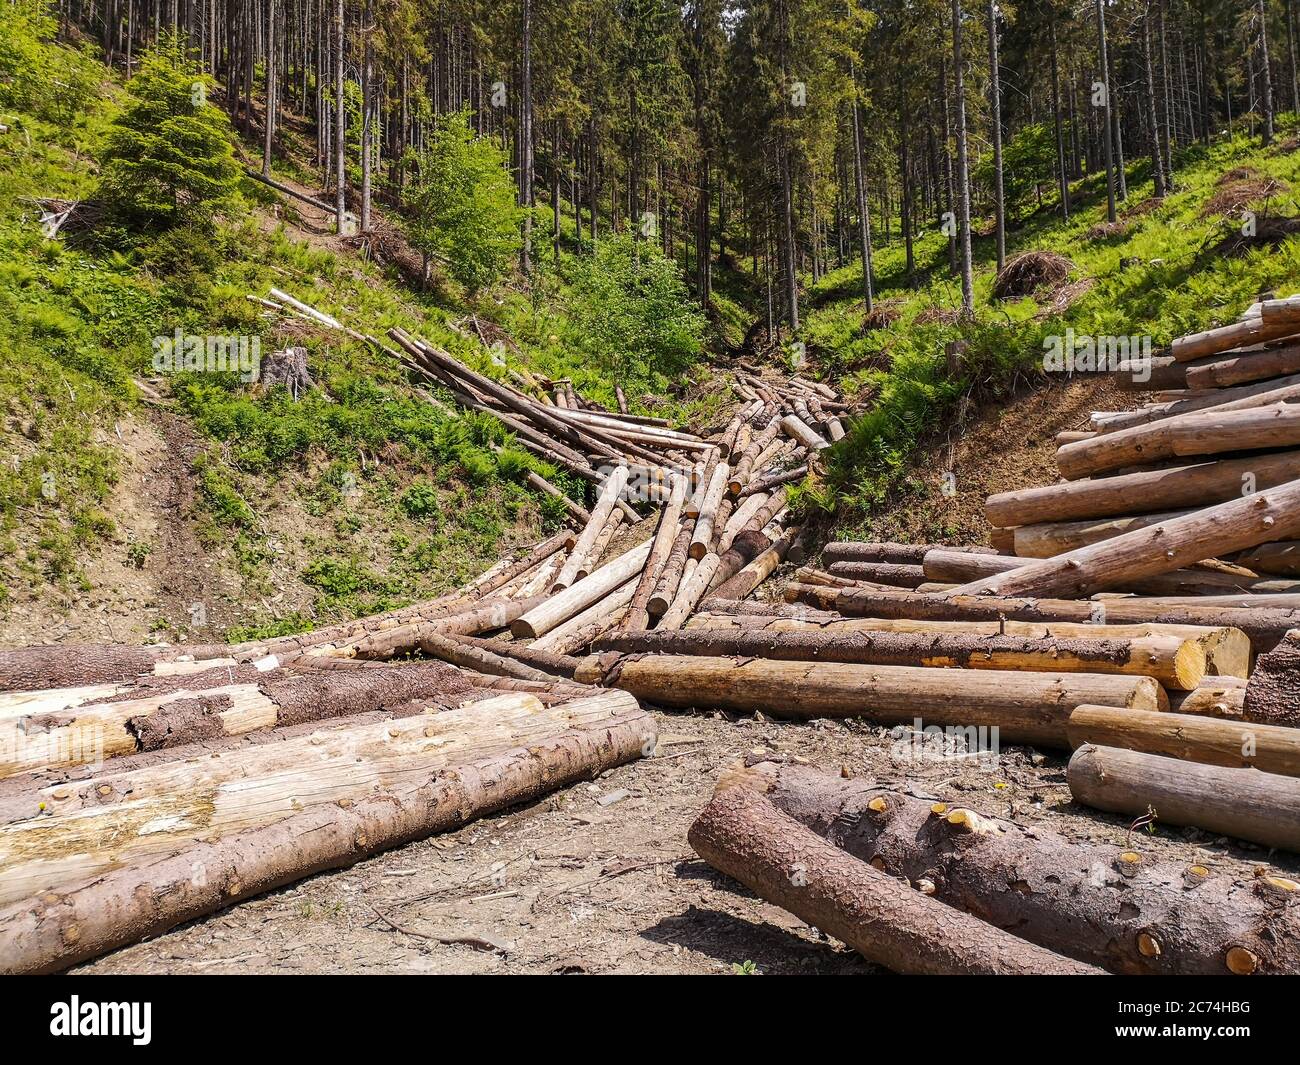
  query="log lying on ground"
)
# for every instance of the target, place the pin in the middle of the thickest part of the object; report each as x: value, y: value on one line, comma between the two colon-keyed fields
x: 1223, y: 697
x: 581, y: 555
x: 1260, y: 807
x: 1281, y: 559
x: 1239, y: 397
x: 1216, y: 530
x: 1245, y: 367
x: 1235, y: 335
x: 670, y: 578
x: 52, y: 930
x: 892, y: 573
x: 480, y: 659
x: 564, y: 605
x: 744, y: 836
x: 1127, y: 911
x: 1148, y: 491
x: 1056, y: 537
x: 1264, y: 627
x: 1174, y: 662
x: 90, y: 733
x: 1192, y: 738
x: 114, y: 819
x: 695, y: 582
x: 758, y: 569
x: 661, y: 546
x: 1025, y: 707
x: 69, y: 665
x: 1273, y: 692
x: 884, y: 551
x: 1226, y: 651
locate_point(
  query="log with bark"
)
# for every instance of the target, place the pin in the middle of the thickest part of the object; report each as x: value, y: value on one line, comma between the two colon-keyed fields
x: 76, y: 906
x: 1025, y: 707
x: 740, y: 833
x: 1056, y: 537
x: 1237, y: 334
x: 1260, y: 807
x: 891, y: 573
x: 1174, y: 662
x: 1273, y: 691
x: 1120, y: 907
x: 1245, y: 367
x: 758, y: 569
x: 564, y: 605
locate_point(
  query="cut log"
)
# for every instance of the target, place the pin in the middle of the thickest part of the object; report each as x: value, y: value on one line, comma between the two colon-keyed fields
x: 1282, y: 559
x: 1264, y: 627
x: 694, y: 584
x: 564, y: 605
x: 1260, y: 807
x: 1192, y: 738
x: 1232, y: 526
x: 1239, y: 397
x: 1273, y: 691
x: 797, y: 430
x: 1238, y: 334
x: 891, y: 573
x: 1124, y: 909
x: 703, y: 535
x: 744, y: 836
x: 598, y: 549
x: 1214, y: 697
x: 1025, y: 707
x: 1226, y: 651
x: 766, y: 484
x: 560, y: 665
x: 638, y: 614
x: 1054, y: 538
x: 758, y: 569
x: 580, y: 557
x: 1240, y: 369
x: 425, y: 794
x: 671, y: 577
x: 481, y: 659
x: 1149, y: 491
x: 1174, y: 662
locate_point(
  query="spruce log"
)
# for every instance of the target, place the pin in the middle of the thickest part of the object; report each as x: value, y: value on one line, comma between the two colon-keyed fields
x: 1174, y: 662
x: 1056, y: 537
x: 693, y: 586
x: 758, y: 569
x: 580, y: 556
x: 1190, y: 737
x: 741, y: 834
x: 1147, y: 491
x: 1239, y: 397
x: 1246, y: 804
x: 560, y: 665
x: 766, y: 484
x: 566, y: 604
x: 797, y: 430
x: 1233, y: 526
x: 702, y: 537
x: 480, y: 659
x: 638, y: 614
x: 1245, y: 367
x: 1214, y: 697
x: 1264, y: 627
x: 884, y: 551
x: 1127, y: 910
x: 1025, y: 707
x: 671, y: 577
x: 891, y: 573
x: 51, y: 930
x: 1282, y: 558
x: 1235, y: 335
x: 1273, y: 691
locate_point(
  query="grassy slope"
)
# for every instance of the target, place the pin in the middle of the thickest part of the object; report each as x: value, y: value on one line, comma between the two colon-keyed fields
x: 1161, y: 277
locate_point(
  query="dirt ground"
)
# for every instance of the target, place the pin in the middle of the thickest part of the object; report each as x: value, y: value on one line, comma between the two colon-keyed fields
x: 566, y: 885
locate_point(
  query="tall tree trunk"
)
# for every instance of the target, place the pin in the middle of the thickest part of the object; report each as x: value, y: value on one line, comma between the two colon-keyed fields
x: 1109, y: 153
x: 1062, y: 173
x: 526, y: 136
x: 340, y: 121
x: 1265, y: 72
x: 963, y: 169
x: 1153, y: 118
x: 367, y: 113
x: 860, y: 185
x: 995, y: 118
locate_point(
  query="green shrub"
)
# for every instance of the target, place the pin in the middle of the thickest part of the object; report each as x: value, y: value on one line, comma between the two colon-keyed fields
x: 36, y: 75
x: 420, y: 501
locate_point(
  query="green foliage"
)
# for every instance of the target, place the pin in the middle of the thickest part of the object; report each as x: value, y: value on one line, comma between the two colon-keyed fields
x: 1028, y: 158
x: 632, y: 313
x: 461, y: 205
x: 420, y: 501
x: 36, y: 76
x: 168, y: 160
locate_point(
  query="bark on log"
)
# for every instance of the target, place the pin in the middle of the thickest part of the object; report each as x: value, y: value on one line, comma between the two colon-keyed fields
x: 1127, y: 910
x: 1025, y: 707
x: 671, y: 577
x: 1190, y: 737
x: 1148, y: 491
x: 1264, y: 627
x: 1238, y: 334
x: 598, y: 617
x: 775, y: 480
x: 1232, y: 526
x: 1226, y: 651
x: 891, y: 573
x: 560, y: 665
x: 756, y: 571
x: 1056, y: 537
x: 1260, y: 807
x: 480, y: 659
x: 694, y: 584
x: 744, y: 836
x: 1273, y: 691
x: 798, y: 430
x: 55, y: 929
x: 1240, y: 369
x: 581, y: 555
x: 638, y: 614
x: 1239, y: 397
x: 703, y: 535
x: 1281, y: 559
x: 561, y: 606
x: 1174, y: 662
x: 883, y: 551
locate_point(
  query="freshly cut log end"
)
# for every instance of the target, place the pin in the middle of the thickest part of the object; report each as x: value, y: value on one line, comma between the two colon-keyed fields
x: 743, y: 835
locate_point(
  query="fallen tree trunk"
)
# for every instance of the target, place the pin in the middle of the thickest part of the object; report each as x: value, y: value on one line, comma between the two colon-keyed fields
x: 1243, y: 368
x: 1135, y: 493
x: 68, y: 665
x: 480, y: 659
x: 1281, y: 559
x: 563, y: 605
x: 638, y: 613
x: 581, y: 555
x: 1226, y: 651
x: 1264, y: 627
x: 695, y: 582
x: 1214, y: 697
x: 1273, y: 691
x: 744, y: 836
x: 1025, y: 707
x: 1192, y: 738
x: 1174, y: 662
x: 53, y: 930
x: 1127, y: 911
x: 1216, y: 530
x: 1235, y: 335
x: 670, y: 578
x: 1056, y: 537
x: 883, y: 551
x: 560, y: 665
x: 892, y: 573
x: 1244, y: 803
x: 759, y: 568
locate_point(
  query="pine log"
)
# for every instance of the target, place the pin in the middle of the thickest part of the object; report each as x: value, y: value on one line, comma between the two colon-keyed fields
x: 1226, y: 651
x: 563, y: 605
x: 670, y: 578
x: 891, y: 573
x: 1192, y: 738
x: 796, y: 429
x: 1264, y: 627
x: 1135, y: 493
x: 424, y: 794
x: 1260, y: 807
x: 638, y: 614
x: 1273, y: 691
x: 1245, y: 367
x: 1174, y: 662
x: 581, y: 555
x: 1238, y: 334
x: 744, y: 836
x: 1127, y: 910
x: 1025, y: 707
x: 758, y: 569
x: 694, y: 584
x: 560, y: 665
x: 703, y: 535
x: 1238, y: 524
x: 1054, y: 538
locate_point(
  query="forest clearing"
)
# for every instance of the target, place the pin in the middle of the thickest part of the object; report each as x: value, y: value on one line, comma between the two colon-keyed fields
x: 755, y: 488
